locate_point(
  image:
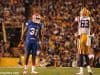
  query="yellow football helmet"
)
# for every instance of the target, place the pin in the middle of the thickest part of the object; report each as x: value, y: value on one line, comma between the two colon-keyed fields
x: 84, y: 12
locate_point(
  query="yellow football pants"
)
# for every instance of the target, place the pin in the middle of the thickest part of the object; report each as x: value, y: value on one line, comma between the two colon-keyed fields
x: 83, y: 47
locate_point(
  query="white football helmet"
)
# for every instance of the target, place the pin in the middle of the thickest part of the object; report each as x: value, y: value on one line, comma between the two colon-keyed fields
x: 36, y: 18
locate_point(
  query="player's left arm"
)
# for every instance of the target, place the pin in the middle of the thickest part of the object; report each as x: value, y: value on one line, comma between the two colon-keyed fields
x: 40, y: 35
x: 92, y: 23
x: 40, y: 38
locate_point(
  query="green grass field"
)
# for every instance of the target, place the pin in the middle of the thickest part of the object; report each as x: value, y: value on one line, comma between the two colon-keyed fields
x: 47, y: 71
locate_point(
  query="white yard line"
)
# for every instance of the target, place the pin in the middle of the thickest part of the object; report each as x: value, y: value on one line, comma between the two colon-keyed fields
x: 12, y: 67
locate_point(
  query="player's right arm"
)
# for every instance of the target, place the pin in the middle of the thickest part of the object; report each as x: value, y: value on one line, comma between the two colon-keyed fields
x: 77, y: 21
x: 24, y: 32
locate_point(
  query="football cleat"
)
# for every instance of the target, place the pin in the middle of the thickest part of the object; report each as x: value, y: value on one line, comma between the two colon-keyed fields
x: 25, y: 72
x: 34, y: 72
x: 90, y: 73
x: 79, y: 73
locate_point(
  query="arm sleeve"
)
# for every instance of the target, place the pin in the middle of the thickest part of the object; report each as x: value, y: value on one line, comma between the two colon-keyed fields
x: 28, y: 22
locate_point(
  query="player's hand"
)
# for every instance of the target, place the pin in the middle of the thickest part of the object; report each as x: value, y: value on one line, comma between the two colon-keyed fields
x: 77, y: 36
x: 92, y: 35
x: 21, y: 41
x: 39, y: 42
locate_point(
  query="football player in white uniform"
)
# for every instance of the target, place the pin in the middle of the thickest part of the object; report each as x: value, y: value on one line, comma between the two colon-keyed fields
x: 84, y: 43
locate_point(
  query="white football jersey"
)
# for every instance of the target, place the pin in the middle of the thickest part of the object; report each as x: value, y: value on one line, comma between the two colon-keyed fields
x: 84, y: 25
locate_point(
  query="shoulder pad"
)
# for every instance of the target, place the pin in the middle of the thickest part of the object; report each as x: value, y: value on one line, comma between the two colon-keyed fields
x: 28, y: 22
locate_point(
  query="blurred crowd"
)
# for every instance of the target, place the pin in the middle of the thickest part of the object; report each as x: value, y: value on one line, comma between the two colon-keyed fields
x: 59, y: 45
x: 12, y: 11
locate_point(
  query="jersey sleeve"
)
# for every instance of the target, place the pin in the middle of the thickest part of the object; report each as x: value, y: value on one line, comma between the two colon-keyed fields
x: 92, y: 19
x: 76, y: 19
x: 41, y: 26
x: 28, y: 22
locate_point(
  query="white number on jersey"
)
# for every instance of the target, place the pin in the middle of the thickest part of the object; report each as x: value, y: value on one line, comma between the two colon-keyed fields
x: 84, y: 24
x: 33, y: 31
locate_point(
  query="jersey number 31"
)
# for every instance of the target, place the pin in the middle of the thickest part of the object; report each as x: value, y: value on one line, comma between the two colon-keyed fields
x: 33, y: 31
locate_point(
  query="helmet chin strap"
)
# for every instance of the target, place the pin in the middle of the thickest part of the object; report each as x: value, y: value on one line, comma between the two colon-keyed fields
x: 36, y: 21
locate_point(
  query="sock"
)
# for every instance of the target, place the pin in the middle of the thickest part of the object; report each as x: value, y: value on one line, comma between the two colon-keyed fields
x: 87, y: 59
x: 25, y: 67
x: 81, y: 59
x: 81, y: 69
x: 89, y: 69
x: 33, y: 68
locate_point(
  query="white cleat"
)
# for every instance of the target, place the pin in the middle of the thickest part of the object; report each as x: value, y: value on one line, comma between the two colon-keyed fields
x: 34, y: 72
x: 79, y: 73
x: 25, y: 72
x: 90, y: 73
